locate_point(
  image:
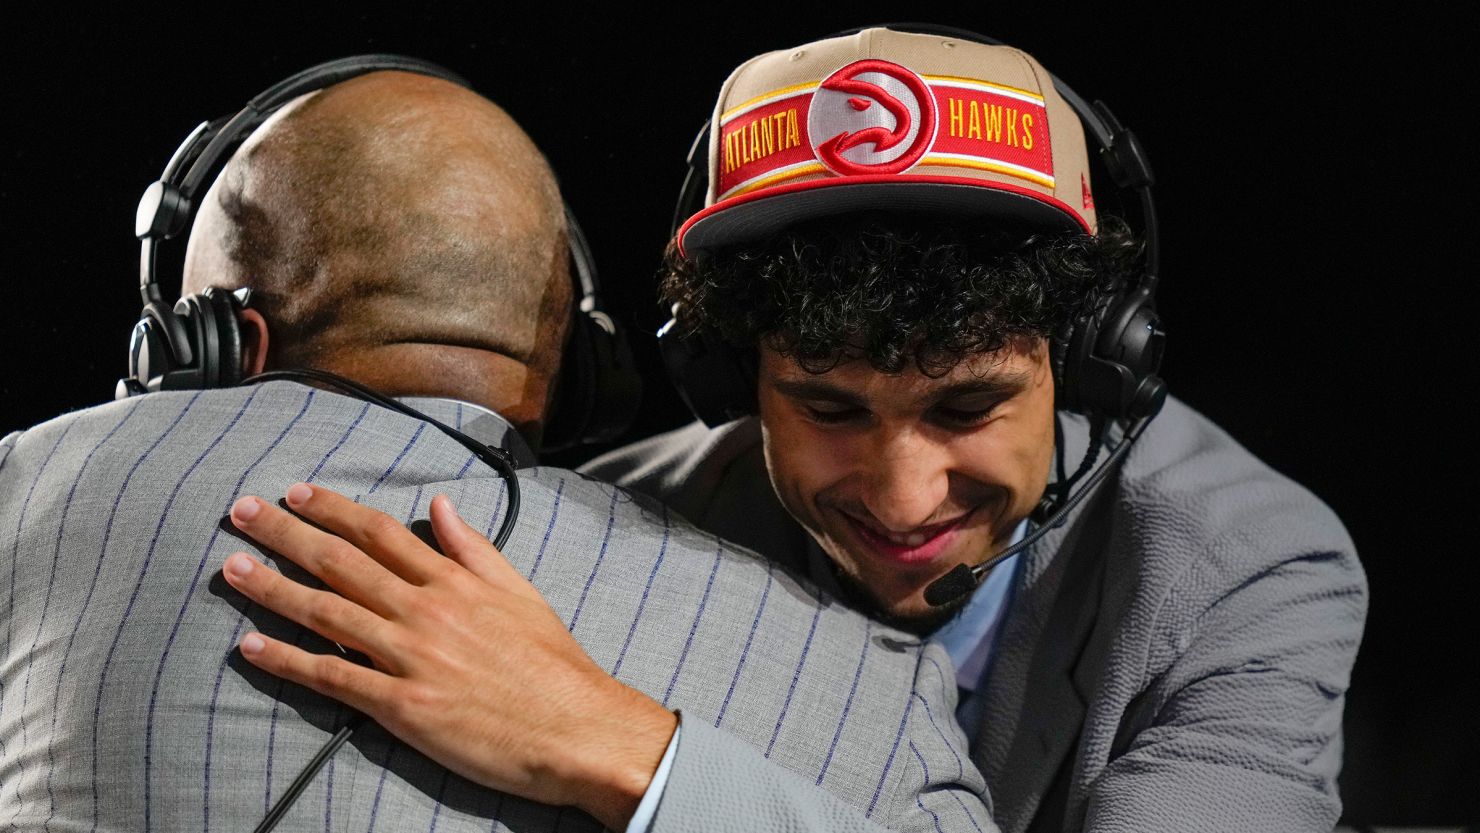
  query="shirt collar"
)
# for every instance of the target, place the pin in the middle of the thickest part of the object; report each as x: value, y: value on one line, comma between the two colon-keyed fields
x: 477, y: 422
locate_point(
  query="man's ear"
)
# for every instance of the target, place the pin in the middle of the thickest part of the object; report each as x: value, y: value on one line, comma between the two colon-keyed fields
x: 254, y: 342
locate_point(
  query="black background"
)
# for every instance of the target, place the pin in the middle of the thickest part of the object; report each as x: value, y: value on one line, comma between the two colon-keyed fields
x: 1317, y: 204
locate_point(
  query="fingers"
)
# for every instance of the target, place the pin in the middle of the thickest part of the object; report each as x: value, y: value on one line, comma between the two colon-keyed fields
x: 377, y: 534
x: 468, y: 547
x: 358, y: 687
x: 323, y: 612
x: 334, y: 561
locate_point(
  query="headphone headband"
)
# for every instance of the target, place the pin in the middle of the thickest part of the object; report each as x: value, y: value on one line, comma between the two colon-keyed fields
x: 168, y: 205
x: 599, y: 388
x: 309, y: 80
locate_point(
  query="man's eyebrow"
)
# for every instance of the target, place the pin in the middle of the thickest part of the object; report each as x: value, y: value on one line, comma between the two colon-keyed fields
x: 1001, y: 384
x: 818, y: 390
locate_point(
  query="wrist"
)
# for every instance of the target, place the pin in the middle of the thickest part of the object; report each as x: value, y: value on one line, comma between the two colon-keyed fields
x: 621, y: 749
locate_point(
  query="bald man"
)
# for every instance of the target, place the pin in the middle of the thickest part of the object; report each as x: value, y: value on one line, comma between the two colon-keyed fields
x: 403, y: 231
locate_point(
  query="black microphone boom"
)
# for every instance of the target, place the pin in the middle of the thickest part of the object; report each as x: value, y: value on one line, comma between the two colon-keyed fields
x: 963, y: 580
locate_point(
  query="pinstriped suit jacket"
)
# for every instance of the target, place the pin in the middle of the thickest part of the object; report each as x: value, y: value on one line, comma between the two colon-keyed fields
x: 124, y: 705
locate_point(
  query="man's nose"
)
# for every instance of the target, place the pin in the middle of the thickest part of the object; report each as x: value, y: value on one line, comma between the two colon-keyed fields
x: 906, y: 481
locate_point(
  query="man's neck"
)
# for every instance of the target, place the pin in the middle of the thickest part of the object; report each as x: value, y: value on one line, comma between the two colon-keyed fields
x: 490, y: 380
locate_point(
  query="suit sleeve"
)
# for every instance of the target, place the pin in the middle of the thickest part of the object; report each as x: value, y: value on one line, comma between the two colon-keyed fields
x: 720, y: 783
x: 1245, y: 732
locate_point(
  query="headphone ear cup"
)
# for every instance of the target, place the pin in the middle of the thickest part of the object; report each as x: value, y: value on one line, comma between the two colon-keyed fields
x: 225, y: 308
x: 599, y: 389
x: 575, y: 391
x: 1110, y: 358
x: 210, y: 321
x: 150, y: 355
x: 1058, y: 358
x: 1130, y: 349
x: 198, y: 315
x: 1071, y: 349
x: 211, y: 356
x: 616, y: 382
x: 716, y: 380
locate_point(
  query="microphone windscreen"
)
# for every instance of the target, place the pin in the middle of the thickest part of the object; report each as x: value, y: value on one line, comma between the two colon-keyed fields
x: 951, y: 586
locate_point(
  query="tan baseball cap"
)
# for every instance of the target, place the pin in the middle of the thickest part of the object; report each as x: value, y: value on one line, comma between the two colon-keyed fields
x: 895, y: 121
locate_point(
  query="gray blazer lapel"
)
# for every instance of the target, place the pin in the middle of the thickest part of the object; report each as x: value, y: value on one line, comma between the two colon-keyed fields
x: 1043, y: 677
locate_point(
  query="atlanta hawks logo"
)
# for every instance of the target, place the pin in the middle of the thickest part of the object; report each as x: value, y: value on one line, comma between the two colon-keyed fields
x: 871, y: 117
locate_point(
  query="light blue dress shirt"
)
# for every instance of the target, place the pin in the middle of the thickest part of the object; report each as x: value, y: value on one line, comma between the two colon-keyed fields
x: 971, y: 637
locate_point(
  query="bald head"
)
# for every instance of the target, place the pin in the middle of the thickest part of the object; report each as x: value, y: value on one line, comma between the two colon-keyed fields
x: 402, y: 230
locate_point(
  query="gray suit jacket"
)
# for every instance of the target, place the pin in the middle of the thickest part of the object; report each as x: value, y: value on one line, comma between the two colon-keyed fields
x: 1174, y: 658
x: 124, y: 705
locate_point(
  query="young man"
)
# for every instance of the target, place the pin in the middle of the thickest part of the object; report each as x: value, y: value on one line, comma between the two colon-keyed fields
x: 901, y: 247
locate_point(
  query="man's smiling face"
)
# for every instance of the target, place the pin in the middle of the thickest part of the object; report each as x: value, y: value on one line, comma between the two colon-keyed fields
x: 900, y: 477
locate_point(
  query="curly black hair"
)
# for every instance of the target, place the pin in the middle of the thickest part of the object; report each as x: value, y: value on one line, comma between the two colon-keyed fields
x: 896, y: 289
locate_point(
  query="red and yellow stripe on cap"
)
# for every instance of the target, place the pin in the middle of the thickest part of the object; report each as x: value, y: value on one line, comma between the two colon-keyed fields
x: 979, y: 128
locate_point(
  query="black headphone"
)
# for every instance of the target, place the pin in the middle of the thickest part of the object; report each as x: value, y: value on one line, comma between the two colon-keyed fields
x: 1105, y: 360
x: 197, y: 343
